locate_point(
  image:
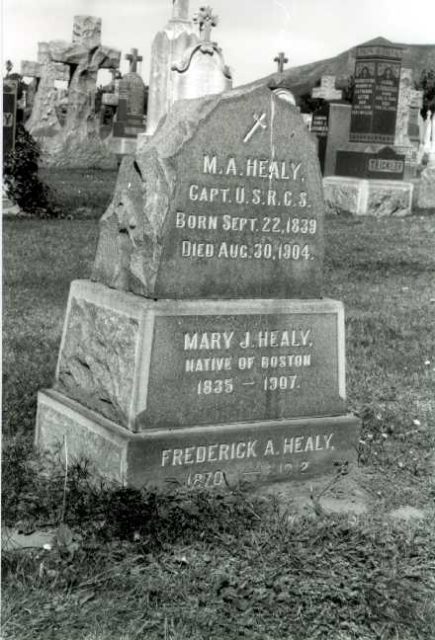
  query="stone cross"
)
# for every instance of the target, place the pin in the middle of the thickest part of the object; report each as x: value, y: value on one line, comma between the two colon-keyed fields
x: 180, y: 9
x: 133, y: 58
x: 85, y: 56
x: 281, y: 60
x: 206, y: 20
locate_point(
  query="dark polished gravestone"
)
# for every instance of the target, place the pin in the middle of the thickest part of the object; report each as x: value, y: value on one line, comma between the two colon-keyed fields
x: 202, y: 351
x: 9, y: 116
x: 376, y: 94
x: 319, y: 127
x: 384, y: 165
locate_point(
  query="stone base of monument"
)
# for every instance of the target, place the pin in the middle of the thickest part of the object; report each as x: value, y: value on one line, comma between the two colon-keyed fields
x: 201, y: 391
x: 379, y: 198
x: 214, y: 455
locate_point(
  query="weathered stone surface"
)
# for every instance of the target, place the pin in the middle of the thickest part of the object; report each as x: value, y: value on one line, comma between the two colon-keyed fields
x: 225, y: 201
x: 74, y: 142
x: 426, y: 192
x: 96, y: 361
x: 344, y: 195
x: 388, y: 198
x: 171, y: 364
x: 44, y: 120
x: 87, y: 31
x: 84, y: 64
x: 205, y: 456
x: 368, y: 197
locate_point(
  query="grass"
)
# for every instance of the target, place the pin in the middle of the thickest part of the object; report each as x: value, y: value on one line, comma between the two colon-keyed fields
x: 80, y: 193
x: 181, y: 566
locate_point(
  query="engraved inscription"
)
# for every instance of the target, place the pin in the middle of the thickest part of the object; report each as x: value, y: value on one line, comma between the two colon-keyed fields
x: 245, y: 367
x: 296, y: 454
x: 269, y: 372
x: 255, y: 186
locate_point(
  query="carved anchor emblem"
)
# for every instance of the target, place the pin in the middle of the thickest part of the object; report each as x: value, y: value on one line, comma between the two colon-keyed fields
x: 260, y: 122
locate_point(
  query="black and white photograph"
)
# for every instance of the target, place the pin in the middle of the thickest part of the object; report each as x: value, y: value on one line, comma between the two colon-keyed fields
x: 218, y: 320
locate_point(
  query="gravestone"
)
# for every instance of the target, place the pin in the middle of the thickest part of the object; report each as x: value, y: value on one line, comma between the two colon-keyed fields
x: 319, y: 126
x: 377, y: 81
x: 131, y: 101
x: 202, y: 70
x: 9, y: 116
x: 168, y: 48
x: 77, y: 143
x: 44, y: 120
x: 84, y: 56
x: 202, y: 350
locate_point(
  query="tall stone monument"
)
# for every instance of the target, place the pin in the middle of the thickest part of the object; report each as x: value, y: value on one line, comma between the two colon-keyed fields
x: 365, y: 172
x: 377, y: 82
x: 202, y: 349
x: 77, y: 142
x: 202, y: 70
x: 168, y: 48
x: 44, y: 120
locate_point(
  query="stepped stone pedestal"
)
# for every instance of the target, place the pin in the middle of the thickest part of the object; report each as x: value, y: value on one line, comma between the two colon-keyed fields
x: 203, y: 351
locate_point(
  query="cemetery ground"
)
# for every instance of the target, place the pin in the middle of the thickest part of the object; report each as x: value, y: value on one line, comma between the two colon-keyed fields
x: 181, y: 565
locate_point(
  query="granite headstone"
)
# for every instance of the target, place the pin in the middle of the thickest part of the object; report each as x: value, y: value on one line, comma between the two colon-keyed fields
x: 218, y: 204
x: 377, y: 81
x: 195, y: 355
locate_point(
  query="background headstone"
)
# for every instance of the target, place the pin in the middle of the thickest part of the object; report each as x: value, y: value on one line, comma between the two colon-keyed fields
x: 320, y: 127
x: 44, y: 120
x: 77, y: 142
x: 169, y: 46
x: 202, y: 70
x: 377, y: 82
x: 9, y: 116
x: 131, y: 101
x: 386, y: 164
